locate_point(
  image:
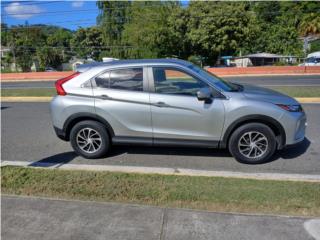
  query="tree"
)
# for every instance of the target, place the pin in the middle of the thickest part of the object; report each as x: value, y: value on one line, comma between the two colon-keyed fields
x: 23, y: 41
x: 111, y: 19
x: 87, y: 42
x: 310, y: 25
x: 49, y: 56
x: 280, y: 29
x: 219, y: 28
x: 153, y: 38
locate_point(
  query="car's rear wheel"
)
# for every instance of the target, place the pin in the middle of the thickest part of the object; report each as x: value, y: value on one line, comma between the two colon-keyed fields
x: 90, y: 139
x: 252, y: 143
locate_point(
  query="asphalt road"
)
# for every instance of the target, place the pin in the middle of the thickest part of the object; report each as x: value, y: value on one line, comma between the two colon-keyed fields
x: 283, y: 80
x: 27, y: 135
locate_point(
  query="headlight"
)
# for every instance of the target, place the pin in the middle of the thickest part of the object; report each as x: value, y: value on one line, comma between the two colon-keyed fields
x: 291, y: 108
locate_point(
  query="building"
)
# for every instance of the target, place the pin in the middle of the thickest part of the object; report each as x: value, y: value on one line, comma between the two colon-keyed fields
x: 264, y: 59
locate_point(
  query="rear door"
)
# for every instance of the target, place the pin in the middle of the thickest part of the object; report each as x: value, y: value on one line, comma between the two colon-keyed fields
x: 176, y: 111
x: 121, y: 99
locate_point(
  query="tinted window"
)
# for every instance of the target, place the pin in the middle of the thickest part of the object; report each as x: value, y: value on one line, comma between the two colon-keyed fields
x: 174, y: 81
x: 103, y: 80
x: 130, y: 79
x: 127, y: 79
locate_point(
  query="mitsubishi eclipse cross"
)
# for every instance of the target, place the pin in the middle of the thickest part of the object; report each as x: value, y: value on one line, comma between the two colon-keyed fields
x: 171, y: 102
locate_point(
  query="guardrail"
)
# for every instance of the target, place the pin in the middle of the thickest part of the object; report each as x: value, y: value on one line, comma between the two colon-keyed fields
x: 218, y: 71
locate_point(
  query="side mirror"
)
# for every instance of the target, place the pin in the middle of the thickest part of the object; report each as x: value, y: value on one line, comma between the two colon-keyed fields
x: 204, y: 94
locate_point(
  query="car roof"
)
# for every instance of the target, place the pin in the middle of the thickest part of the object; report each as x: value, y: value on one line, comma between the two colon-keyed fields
x: 131, y: 62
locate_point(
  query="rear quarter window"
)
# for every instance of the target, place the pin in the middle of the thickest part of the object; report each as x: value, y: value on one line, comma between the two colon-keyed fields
x: 130, y: 79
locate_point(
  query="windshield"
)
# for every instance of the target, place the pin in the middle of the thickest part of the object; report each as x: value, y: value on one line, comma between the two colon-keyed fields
x: 217, y: 81
x: 313, y: 60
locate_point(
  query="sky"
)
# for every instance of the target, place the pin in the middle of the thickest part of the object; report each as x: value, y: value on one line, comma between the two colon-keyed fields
x: 67, y: 14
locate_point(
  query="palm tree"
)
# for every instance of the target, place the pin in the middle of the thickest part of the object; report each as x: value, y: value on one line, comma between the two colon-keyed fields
x: 310, y: 25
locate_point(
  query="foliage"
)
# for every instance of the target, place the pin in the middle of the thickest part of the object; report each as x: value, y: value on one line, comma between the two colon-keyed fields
x: 219, y: 28
x: 112, y: 19
x: 49, y: 56
x: 87, y: 42
x: 201, y: 31
x: 30, y: 43
x: 153, y: 38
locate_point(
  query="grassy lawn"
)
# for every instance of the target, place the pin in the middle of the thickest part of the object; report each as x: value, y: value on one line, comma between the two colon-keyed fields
x: 307, y: 91
x: 207, y: 193
x: 30, y: 92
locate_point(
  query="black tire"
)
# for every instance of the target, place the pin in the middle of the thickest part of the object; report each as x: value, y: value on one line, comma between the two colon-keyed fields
x: 102, y: 150
x: 244, y: 130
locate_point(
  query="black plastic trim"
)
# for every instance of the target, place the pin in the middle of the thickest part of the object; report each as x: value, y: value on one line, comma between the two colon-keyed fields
x: 145, y: 141
x: 83, y: 116
x: 251, y: 118
x: 60, y: 133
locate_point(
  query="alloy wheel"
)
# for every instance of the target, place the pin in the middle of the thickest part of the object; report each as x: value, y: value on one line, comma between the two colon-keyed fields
x: 89, y: 140
x: 253, y: 144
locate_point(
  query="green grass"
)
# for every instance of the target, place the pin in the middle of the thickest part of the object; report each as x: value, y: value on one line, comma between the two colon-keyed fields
x: 207, y: 193
x: 29, y: 92
x: 306, y: 91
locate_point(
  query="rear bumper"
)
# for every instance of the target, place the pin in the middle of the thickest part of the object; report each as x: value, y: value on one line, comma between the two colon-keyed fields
x: 60, y: 134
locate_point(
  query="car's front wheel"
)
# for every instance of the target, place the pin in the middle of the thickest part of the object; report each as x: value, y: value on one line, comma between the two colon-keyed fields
x: 90, y: 139
x: 252, y: 143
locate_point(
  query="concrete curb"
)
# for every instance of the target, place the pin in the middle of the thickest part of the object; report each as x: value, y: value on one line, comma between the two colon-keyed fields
x: 48, y: 99
x: 167, y: 171
x: 26, y: 99
x: 308, y: 99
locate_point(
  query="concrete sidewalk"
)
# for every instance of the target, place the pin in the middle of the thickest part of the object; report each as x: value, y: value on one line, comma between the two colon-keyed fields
x: 39, y: 218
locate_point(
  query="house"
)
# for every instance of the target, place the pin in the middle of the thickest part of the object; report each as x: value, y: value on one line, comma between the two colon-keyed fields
x: 264, y: 59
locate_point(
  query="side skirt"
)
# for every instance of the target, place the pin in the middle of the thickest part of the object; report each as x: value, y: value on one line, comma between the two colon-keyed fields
x: 164, y: 142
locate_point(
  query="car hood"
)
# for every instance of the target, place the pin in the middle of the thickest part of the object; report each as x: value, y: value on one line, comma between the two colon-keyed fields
x: 267, y: 95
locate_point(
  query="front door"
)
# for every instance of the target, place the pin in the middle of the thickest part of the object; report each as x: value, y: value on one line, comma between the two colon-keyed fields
x: 176, y: 111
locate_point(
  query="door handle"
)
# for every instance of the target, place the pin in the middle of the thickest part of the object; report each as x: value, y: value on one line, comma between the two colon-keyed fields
x: 161, y: 104
x: 104, y: 97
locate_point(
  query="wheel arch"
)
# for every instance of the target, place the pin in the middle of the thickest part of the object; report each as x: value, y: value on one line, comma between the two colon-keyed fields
x: 276, y: 127
x: 78, y: 117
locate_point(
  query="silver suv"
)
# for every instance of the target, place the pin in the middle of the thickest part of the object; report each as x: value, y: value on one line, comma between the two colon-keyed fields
x: 170, y: 102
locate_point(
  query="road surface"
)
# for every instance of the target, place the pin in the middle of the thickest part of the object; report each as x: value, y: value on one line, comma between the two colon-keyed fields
x: 280, y: 80
x: 27, y: 135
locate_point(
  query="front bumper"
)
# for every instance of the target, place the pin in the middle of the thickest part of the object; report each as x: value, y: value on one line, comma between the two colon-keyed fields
x: 294, y: 125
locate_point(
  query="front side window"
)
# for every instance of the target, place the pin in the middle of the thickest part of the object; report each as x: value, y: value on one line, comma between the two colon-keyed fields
x: 174, y: 81
x: 130, y: 79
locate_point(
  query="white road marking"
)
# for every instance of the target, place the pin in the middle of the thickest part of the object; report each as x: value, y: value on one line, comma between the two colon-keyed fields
x: 313, y: 228
x: 167, y: 171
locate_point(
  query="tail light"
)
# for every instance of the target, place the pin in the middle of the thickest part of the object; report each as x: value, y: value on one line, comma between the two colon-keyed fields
x: 60, y: 82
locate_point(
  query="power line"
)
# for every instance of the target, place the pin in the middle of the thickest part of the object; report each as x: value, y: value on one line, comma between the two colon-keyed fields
x: 26, y: 3
x: 53, y: 13
x: 78, y: 10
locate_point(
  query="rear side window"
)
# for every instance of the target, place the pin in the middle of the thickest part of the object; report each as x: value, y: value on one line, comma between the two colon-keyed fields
x: 103, y: 80
x: 130, y: 79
